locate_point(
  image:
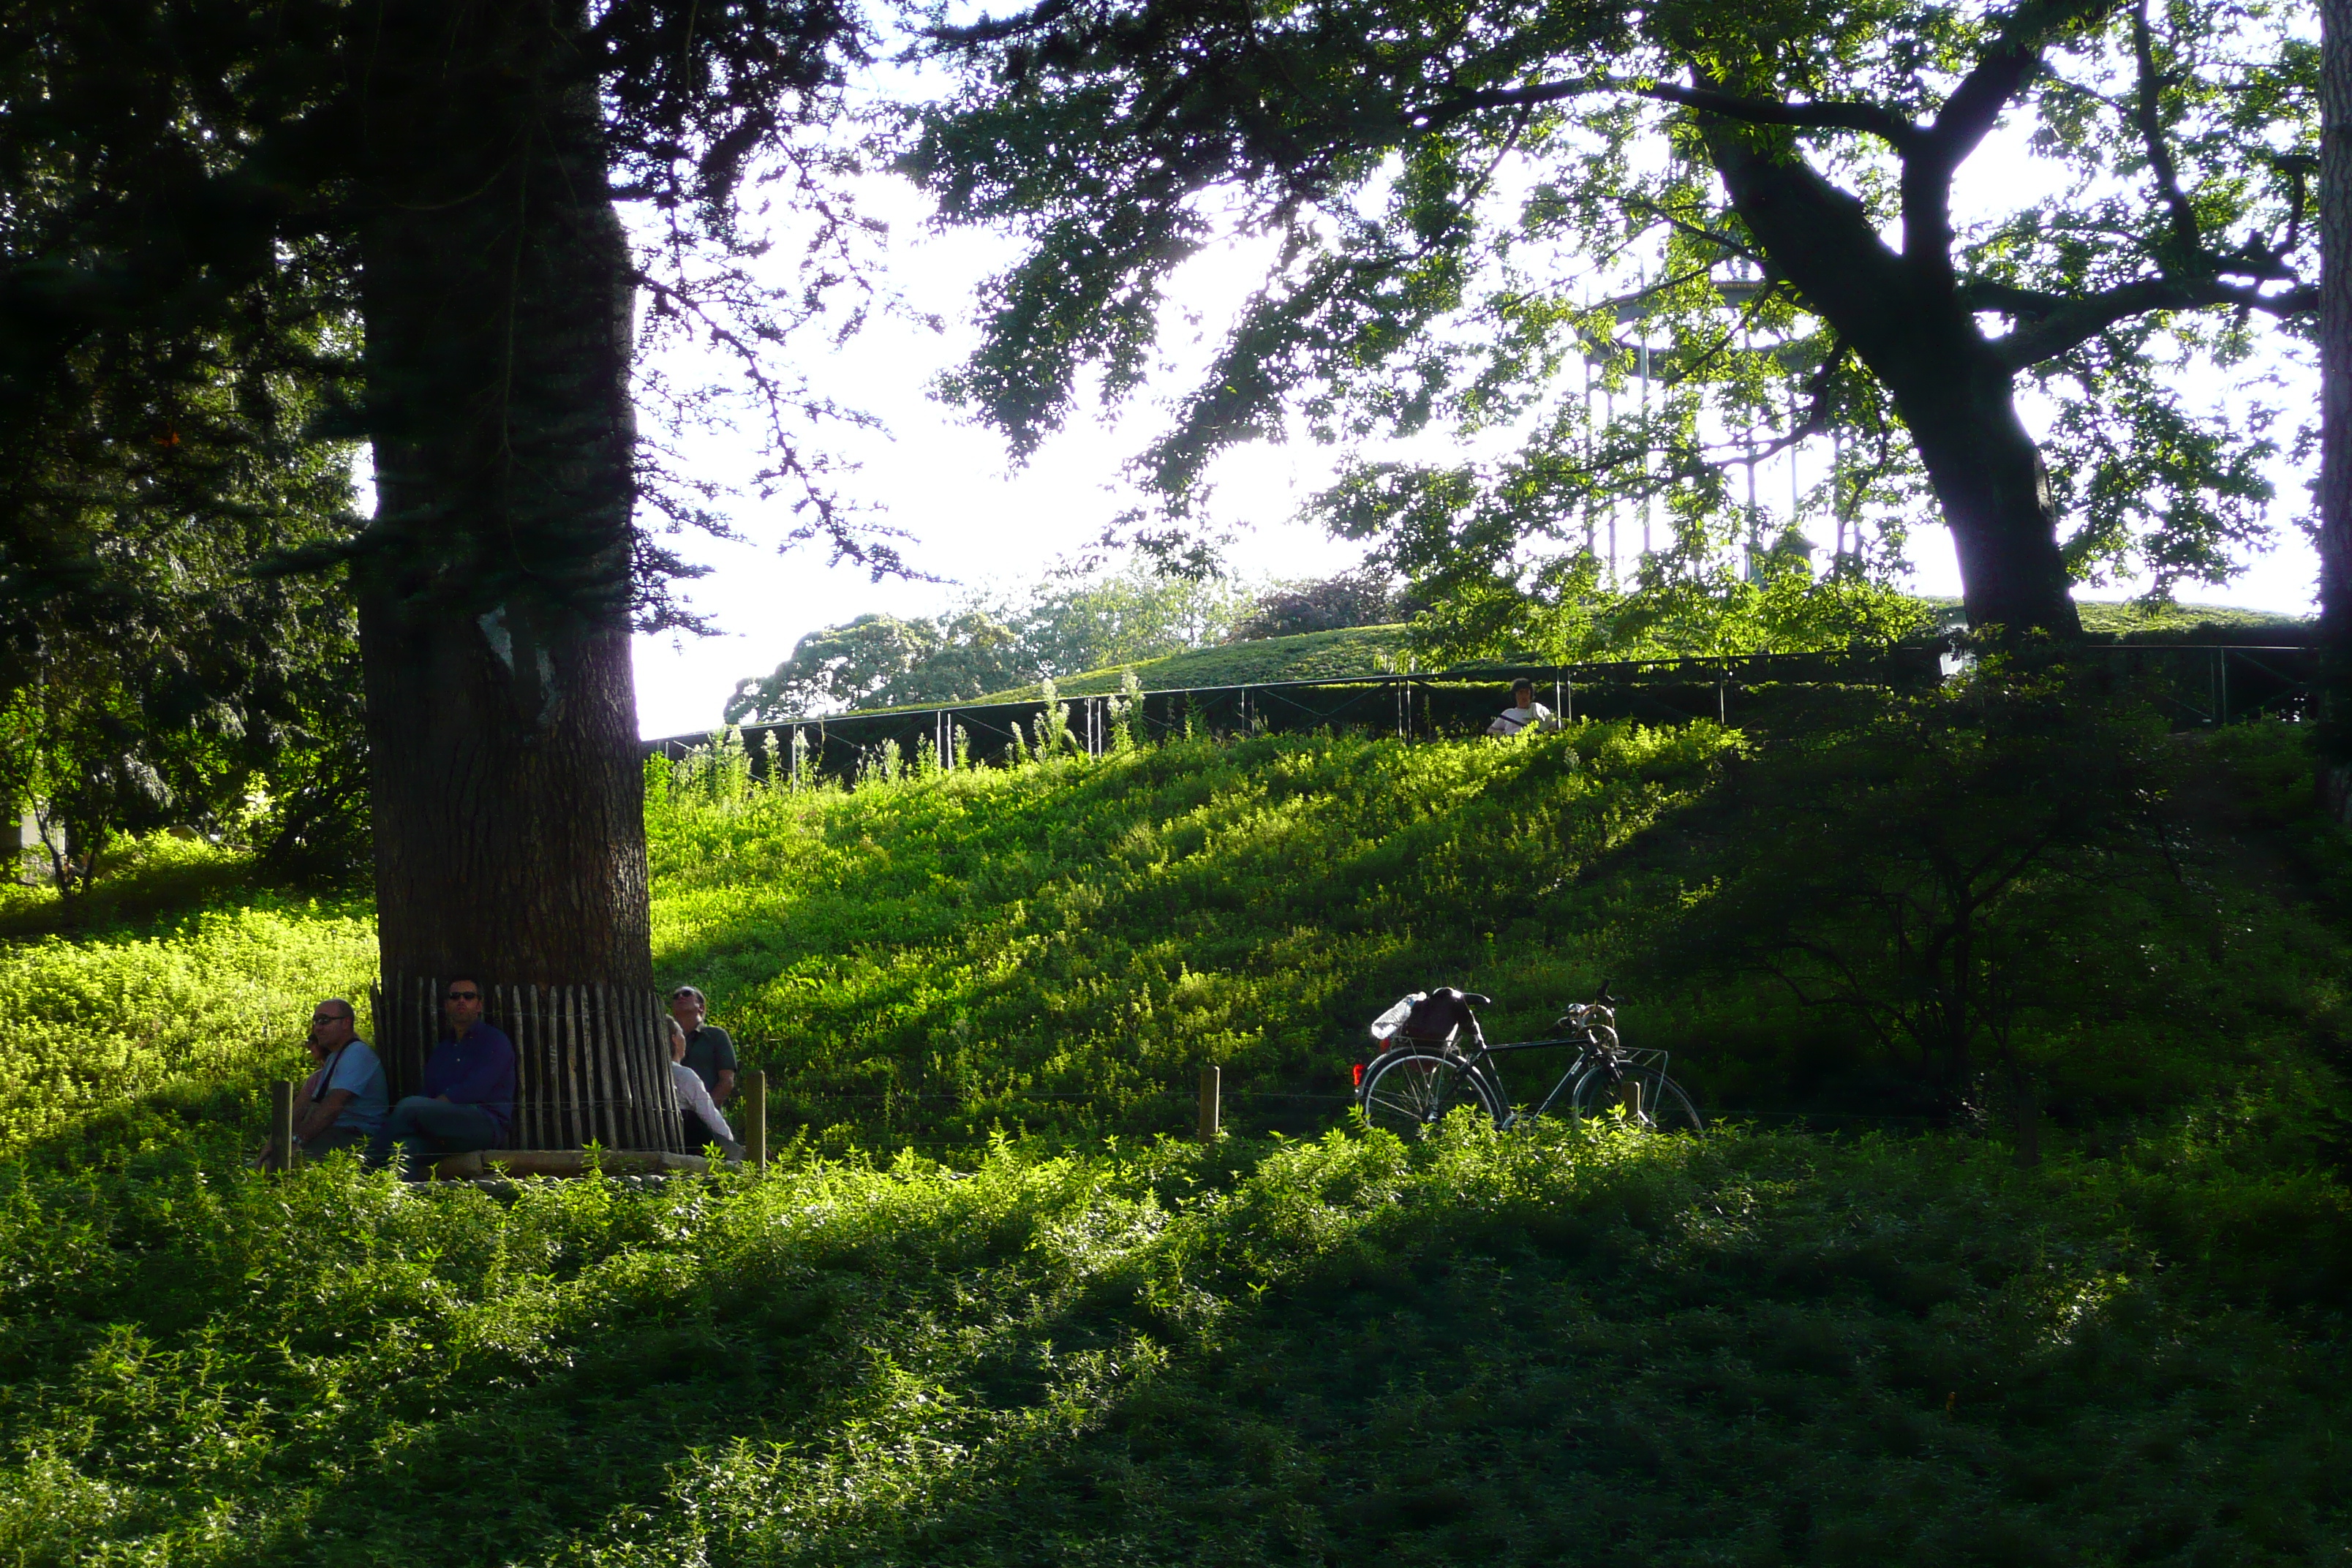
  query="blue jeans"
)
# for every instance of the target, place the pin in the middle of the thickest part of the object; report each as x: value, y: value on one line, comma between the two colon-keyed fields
x: 427, y: 1129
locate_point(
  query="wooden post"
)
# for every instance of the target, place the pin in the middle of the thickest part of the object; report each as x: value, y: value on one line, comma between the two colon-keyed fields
x: 281, y: 1125
x: 1630, y: 1092
x: 1209, y: 1086
x: 755, y: 1118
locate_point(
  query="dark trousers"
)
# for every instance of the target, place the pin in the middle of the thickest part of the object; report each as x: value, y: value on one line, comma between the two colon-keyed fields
x: 332, y: 1138
x: 427, y: 1129
x: 699, y: 1136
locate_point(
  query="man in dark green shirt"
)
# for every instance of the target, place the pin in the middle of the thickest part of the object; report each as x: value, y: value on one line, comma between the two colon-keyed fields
x: 709, y: 1051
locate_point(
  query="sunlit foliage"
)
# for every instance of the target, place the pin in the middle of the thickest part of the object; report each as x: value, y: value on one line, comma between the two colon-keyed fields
x: 1582, y: 1346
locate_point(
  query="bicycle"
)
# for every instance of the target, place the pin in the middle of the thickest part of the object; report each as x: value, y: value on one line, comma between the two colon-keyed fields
x: 1411, y: 1087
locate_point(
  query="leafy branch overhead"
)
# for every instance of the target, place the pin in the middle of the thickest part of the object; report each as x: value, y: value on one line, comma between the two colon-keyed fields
x: 186, y: 190
x: 1465, y: 203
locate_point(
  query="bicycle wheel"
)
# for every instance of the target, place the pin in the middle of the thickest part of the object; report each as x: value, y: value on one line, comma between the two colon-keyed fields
x: 1409, y: 1092
x: 1664, y: 1107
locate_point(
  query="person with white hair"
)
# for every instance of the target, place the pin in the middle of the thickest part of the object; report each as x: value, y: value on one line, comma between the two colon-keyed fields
x: 709, y: 1051
x: 703, y: 1124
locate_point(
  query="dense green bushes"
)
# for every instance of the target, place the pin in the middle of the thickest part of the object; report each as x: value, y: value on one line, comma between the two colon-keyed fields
x: 154, y: 1026
x: 1581, y: 1346
x: 1968, y: 903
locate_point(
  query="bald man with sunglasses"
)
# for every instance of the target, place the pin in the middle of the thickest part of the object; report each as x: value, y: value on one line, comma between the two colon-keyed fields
x: 465, y: 1101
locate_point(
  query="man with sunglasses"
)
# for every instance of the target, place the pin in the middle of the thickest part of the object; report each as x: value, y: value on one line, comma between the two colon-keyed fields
x: 466, y: 1100
x: 341, y: 1104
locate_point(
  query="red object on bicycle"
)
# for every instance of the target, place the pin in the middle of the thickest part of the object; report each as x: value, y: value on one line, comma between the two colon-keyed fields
x: 1360, y: 1075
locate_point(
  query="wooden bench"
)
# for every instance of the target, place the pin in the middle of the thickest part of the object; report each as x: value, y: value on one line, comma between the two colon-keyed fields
x: 561, y: 1162
x: 489, y: 1163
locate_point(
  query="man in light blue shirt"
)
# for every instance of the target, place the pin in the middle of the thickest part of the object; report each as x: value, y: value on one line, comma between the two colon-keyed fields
x: 342, y: 1104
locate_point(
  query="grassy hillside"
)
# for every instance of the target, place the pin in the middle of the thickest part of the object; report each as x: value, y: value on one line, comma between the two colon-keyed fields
x: 1309, y: 656
x: 1091, y: 1344
x: 2128, y: 617
x: 1063, y: 944
x: 156, y: 1006
x: 1367, y: 650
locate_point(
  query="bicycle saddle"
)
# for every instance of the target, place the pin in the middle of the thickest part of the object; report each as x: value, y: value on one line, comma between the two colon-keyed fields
x: 1442, y: 1013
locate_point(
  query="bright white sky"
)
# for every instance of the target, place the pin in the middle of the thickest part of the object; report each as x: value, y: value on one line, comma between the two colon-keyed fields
x: 976, y: 521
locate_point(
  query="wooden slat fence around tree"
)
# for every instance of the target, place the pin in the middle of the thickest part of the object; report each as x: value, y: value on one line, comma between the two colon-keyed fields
x: 591, y: 1061
x: 2194, y: 684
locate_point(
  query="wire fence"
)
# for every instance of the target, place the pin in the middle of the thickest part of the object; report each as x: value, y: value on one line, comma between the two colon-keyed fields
x: 2194, y: 685
x: 905, y: 1121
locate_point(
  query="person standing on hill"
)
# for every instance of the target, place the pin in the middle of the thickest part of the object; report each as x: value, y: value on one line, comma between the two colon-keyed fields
x: 708, y: 1050
x: 1524, y: 713
x: 465, y: 1101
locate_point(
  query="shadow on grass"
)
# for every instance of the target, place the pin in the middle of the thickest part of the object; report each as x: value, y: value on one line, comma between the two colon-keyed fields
x: 1858, y: 1375
x: 215, y: 1125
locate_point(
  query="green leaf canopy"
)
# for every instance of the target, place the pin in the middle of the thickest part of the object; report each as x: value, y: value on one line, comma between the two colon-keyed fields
x: 1743, y: 225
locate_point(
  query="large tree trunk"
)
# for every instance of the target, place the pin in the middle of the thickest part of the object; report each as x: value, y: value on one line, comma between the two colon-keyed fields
x: 1991, y: 484
x: 1902, y: 316
x: 2336, y: 404
x: 493, y: 611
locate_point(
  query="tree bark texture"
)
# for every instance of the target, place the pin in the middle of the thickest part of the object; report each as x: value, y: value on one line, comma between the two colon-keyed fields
x: 494, y: 593
x: 1904, y: 318
x: 2336, y: 404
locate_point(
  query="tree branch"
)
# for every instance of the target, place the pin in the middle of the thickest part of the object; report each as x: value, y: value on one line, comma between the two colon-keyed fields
x: 992, y: 30
x: 1445, y: 111
x: 1816, y: 422
x: 2058, y: 325
x: 2148, y: 116
x: 1969, y: 115
x: 1871, y: 119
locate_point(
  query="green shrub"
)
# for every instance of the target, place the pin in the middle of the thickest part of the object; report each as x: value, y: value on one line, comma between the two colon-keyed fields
x: 1579, y: 1346
x: 140, y: 1035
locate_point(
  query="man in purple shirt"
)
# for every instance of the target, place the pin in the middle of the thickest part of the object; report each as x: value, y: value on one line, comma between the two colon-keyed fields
x: 466, y: 1101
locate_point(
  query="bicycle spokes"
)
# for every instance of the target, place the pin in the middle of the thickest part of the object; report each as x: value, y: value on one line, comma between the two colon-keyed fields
x: 1413, y: 1090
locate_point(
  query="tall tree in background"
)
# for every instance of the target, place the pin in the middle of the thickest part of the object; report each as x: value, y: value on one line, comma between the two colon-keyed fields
x: 2335, y: 487
x: 1765, y: 193
x: 1060, y: 628
x: 317, y: 223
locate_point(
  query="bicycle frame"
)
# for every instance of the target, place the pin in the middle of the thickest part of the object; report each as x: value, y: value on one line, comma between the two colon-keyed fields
x: 1590, y: 1053
x: 1476, y: 1060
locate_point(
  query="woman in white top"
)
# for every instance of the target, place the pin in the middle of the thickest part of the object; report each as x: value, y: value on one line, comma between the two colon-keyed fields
x: 696, y: 1098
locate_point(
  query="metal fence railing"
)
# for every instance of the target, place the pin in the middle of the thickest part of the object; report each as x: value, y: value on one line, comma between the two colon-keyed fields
x: 2193, y: 684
